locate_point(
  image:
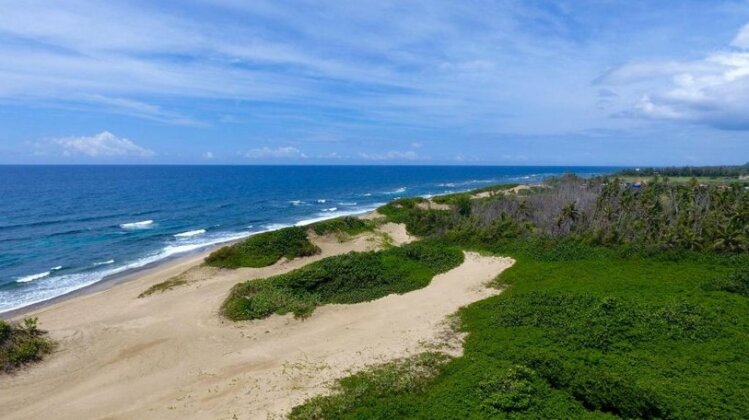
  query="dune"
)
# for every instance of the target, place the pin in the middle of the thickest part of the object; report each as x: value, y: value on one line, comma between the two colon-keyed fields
x: 171, y: 355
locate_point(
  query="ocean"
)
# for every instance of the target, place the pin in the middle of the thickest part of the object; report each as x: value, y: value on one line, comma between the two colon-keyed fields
x: 63, y: 228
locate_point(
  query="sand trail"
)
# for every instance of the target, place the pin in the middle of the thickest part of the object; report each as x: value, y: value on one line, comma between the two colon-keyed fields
x: 171, y: 356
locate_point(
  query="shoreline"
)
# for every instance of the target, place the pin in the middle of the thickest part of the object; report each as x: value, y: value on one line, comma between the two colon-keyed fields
x: 188, y: 259
x: 166, y: 264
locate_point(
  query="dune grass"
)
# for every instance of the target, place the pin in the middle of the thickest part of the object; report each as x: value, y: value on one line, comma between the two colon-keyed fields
x: 22, y: 343
x: 264, y: 249
x: 349, y: 278
x: 585, y: 332
x: 162, y: 287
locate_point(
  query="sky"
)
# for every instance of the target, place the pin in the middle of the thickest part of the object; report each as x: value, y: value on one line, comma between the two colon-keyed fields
x: 473, y: 82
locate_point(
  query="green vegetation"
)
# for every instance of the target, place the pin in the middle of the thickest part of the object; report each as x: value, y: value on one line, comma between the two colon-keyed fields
x: 348, y: 225
x: 349, y: 278
x: 419, y: 222
x: 691, y: 171
x: 165, y: 285
x: 463, y: 196
x: 408, y: 375
x: 264, y: 249
x: 22, y: 343
x: 624, y: 302
x: 604, y: 211
x: 584, y: 332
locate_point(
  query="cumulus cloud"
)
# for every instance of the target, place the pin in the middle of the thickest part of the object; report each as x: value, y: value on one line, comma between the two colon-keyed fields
x: 712, y: 91
x: 287, y: 152
x: 102, y: 145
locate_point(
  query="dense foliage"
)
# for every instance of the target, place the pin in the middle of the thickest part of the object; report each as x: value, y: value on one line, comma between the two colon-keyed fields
x: 584, y: 332
x: 348, y: 225
x: 690, y: 171
x: 21, y: 343
x: 604, y: 211
x: 349, y: 278
x: 625, y: 301
x: 264, y: 249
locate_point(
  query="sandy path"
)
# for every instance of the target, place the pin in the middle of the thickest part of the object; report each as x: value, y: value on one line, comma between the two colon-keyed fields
x: 171, y: 356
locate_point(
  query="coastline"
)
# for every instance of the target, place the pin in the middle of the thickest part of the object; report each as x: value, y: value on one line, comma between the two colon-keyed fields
x: 155, y: 269
x: 159, y: 268
x: 171, y: 355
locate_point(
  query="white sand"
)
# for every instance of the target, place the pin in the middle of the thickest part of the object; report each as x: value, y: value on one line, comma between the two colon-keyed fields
x: 171, y: 356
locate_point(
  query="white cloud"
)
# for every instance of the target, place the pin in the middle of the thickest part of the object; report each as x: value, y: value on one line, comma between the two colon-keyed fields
x: 287, y: 152
x: 742, y: 38
x: 712, y: 91
x: 208, y: 155
x: 102, y: 145
x: 391, y: 155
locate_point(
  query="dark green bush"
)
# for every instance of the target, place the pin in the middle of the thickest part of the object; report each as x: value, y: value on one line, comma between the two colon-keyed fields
x: 348, y: 225
x: 350, y: 278
x: 736, y: 282
x: 264, y: 249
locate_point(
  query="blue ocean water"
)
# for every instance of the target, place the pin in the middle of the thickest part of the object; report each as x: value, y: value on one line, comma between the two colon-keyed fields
x: 65, y: 227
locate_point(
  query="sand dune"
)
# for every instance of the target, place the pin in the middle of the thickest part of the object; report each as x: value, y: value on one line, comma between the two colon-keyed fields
x: 171, y: 356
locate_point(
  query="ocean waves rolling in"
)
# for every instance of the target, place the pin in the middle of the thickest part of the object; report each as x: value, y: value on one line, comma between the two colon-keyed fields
x: 96, y: 230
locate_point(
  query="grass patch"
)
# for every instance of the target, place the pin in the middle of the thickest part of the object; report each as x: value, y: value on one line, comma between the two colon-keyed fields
x: 588, y: 332
x: 22, y: 343
x: 162, y: 287
x: 348, y: 225
x: 350, y: 278
x: 401, y: 376
x: 264, y: 249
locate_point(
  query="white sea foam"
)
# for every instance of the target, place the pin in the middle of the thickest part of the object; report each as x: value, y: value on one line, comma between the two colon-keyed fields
x: 333, y: 214
x: 107, y: 262
x: 42, y: 291
x: 190, y: 233
x: 296, y: 202
x: 397, y: 191
x: 343, y: 203
x: 331, y: 209
x: 32, y: 277
x: 59, y: 267
x: 275, y: 226
x: 145, y: 224
x: 322, y: 201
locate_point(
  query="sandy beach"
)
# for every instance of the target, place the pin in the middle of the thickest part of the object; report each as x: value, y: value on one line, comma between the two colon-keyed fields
x: 171, y: 355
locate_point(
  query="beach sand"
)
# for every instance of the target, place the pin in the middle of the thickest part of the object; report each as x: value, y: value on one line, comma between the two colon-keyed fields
x: 171, y: 355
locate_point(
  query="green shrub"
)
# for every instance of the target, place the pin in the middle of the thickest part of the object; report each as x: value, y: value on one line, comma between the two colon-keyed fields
x: 736, y: 282
x: 348, y: 225
x: 398, y: 377
x: 350, y: 278
x: 591, y: 332
x: 264, y: 249
x: 512, y: 391
x: 418, y: 221
x: 21, y: 344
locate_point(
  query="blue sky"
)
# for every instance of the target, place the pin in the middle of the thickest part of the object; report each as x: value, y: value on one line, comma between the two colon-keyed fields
x: 404, y: 82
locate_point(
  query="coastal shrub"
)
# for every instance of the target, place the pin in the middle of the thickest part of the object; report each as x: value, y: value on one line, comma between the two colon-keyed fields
x: 419, y: 221
x: 349, y: 278
x: 401, y: 377
x: 584, y: 331
x: 348, y: 225
x: 264, y: 249
x: 22, y: 343
x: 736, y: 282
